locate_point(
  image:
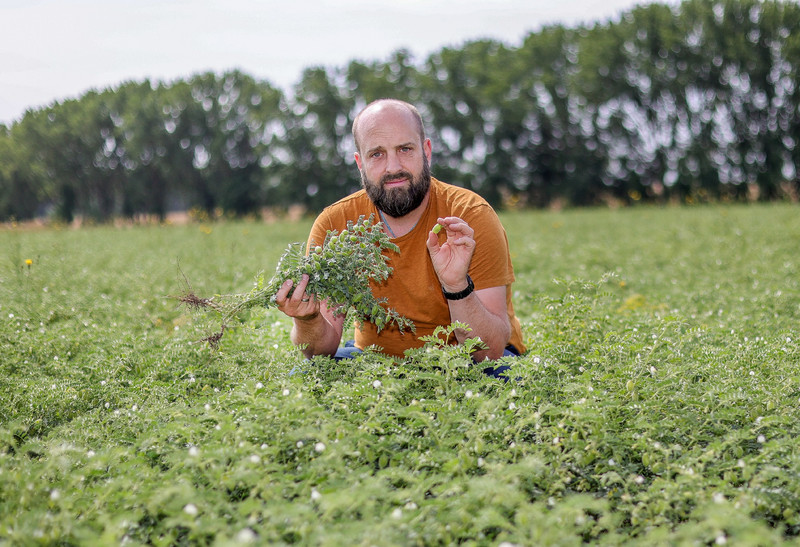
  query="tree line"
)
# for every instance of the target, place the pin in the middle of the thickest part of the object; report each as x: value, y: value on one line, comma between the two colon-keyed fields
x: 699, y: 101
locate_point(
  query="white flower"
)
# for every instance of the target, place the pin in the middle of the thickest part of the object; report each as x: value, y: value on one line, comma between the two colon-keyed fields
x: 511, y: 406
x: 761, y: 439
x: 193, y: 451
x: 285, y: 392
x: 90, y: 454
x: 468, y: 394
x: 481, y: 462
x: 299, y: 444
x: 255, y: 458
x: 55, y: 494
x: 718, y: 497
x: 536, y: 360
x: 721, y: 539
x: 411, y: 506
x: 397, y: 513
x: 319, y: 447
x: 246, y: 536
x: 190, y: 509
x: 377, y: 384
x: 315, y: 495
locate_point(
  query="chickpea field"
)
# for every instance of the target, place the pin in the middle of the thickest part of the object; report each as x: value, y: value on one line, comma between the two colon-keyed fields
x: 659, y: 402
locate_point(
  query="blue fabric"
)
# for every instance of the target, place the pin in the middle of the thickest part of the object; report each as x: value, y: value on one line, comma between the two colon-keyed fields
x: 348, y: 351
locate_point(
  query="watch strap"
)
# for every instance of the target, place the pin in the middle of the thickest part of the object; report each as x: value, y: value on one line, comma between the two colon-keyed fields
x: 460, y: 294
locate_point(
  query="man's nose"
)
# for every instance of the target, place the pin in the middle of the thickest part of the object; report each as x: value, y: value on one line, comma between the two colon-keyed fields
x: 393, y: 164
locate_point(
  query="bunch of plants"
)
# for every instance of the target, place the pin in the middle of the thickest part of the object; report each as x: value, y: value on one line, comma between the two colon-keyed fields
x: 339, y: 271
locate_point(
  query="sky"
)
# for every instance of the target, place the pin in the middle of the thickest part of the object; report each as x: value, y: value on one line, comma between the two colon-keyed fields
x: 52, y: 50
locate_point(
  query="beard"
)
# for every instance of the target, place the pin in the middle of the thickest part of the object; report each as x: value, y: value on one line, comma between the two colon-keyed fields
x: 398, y: 202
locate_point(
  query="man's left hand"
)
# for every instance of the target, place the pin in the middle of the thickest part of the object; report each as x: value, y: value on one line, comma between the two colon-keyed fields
x: 451, y: 259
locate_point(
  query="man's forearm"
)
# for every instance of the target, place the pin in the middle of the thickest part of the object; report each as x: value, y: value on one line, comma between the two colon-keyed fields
x: 316, y: 336
x: 493, y: 330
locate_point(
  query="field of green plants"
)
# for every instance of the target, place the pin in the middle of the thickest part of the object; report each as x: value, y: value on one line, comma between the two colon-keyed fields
x: 659, y: 402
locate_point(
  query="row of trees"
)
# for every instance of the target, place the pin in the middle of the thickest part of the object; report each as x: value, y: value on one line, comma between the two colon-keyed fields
x: 698, y: 101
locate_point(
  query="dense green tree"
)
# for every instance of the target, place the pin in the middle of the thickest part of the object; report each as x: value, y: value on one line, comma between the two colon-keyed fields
x: 16, y: 198
x: 680, y: 102
x: 317, y: 127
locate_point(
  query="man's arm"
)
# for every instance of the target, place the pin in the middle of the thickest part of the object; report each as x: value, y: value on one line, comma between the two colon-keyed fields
x: 486, y: 314
x: 316, y: 328
x: 484, y: 310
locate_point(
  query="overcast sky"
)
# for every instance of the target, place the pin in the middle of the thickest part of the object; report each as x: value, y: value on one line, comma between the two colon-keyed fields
x: 52, y: 50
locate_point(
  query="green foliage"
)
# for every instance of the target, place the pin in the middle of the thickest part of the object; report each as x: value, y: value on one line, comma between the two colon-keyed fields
x: 340, y: 272
x: 657, y: 404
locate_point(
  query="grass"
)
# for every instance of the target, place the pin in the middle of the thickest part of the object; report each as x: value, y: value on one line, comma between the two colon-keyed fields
x: 658, y: 403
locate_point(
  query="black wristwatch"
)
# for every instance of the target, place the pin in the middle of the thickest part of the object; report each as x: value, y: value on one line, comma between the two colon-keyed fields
x: 460, y: 294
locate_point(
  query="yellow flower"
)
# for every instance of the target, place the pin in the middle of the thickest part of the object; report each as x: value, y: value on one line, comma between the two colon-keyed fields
x: 28, y: 262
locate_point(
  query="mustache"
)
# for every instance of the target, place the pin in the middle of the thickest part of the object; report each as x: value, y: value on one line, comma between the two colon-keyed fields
x: 399, y: 175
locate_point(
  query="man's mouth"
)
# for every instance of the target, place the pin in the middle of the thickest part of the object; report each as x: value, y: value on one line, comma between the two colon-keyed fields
x: 395, y: 181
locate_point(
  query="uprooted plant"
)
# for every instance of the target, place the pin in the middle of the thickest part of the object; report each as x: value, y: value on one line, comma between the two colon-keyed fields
x: 340, y: 271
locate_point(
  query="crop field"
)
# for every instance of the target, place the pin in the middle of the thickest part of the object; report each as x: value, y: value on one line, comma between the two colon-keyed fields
x: 659, y: 402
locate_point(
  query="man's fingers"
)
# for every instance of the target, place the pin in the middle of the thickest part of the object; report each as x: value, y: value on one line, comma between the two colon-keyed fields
x: 455, y: 224
x: 283, y: 292
x: 299, y: 294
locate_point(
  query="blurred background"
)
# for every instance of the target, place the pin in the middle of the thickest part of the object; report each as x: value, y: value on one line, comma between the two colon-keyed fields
x: 151, y: 111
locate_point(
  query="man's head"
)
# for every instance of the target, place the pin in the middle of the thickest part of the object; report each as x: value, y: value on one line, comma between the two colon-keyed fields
x: 392, y: 155
x: 383, y: 105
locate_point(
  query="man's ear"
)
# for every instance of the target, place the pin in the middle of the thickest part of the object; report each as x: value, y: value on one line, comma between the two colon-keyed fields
x: 427, y: 148
x: 358, y: 160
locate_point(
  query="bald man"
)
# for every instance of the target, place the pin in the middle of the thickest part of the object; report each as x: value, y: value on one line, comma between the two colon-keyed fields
x: 463, y: 273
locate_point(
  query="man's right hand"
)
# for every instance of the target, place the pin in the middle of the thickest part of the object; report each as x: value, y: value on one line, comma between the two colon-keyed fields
x: 299, y: 305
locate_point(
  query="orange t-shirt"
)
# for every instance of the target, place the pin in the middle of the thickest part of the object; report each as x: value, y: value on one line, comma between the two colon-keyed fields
x: 413, y: 289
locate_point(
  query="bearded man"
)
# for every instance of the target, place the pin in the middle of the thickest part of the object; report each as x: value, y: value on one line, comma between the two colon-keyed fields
x: 466, y: 277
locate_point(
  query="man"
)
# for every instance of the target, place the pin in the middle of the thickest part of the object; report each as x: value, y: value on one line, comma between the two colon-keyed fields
x: 466, y: 277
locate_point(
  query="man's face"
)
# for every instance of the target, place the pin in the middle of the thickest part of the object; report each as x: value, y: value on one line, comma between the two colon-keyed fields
x: 399, y: 200
x: 393, y: 160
